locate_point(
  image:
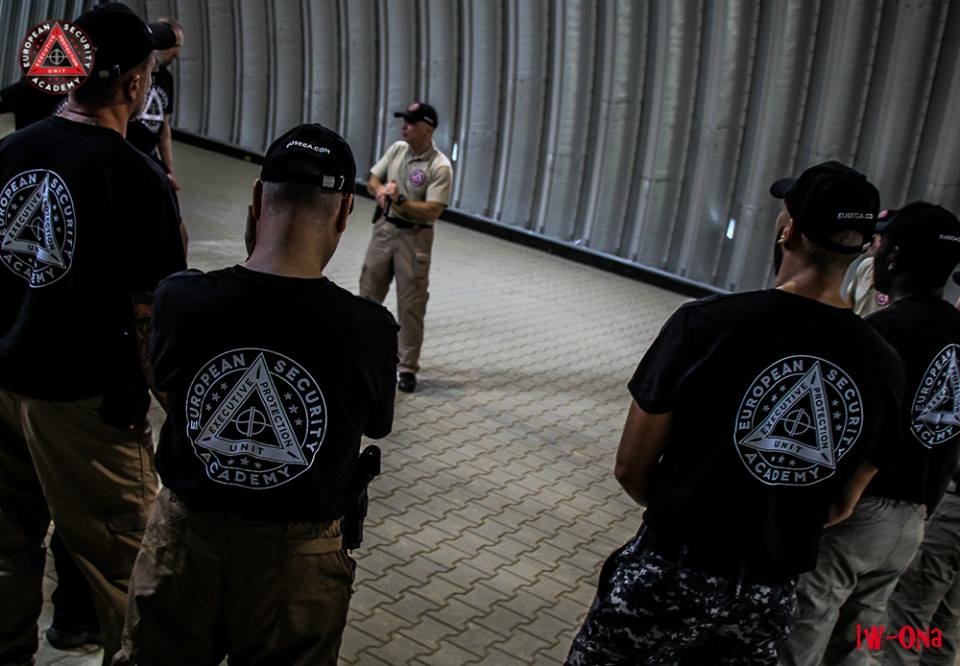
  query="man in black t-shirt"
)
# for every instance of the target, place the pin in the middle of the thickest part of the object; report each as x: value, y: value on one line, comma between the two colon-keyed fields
x: 26, y: 103
x: 272, y: 373
x: 753, y: 423
x: 88, y: 227
x: 861, y: 560
x: 150, y: 131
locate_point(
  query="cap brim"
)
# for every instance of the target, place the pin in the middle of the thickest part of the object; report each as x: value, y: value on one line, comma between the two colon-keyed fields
x: 406, y: 115
x: 780, y: 188
x: 163, y: 36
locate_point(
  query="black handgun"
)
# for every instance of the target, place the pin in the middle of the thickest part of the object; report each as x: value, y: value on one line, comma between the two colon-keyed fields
x: 367, y: 469
x: 381, y: 212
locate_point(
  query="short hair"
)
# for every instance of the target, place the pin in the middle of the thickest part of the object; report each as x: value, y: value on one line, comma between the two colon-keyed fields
x: 297, y: 197
x: 923, y: 267
x: 102, y: 92
x: 828, y: 259
x: 174, y: 25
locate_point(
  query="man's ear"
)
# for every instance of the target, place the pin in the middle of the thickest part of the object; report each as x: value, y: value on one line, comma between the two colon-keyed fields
x: 256, y: 207
x: 346, y: 207
x: 789, y: 234
x: 253, y: 215
x: 133, y: 86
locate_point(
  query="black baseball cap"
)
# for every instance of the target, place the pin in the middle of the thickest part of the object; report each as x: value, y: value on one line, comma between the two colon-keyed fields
x: 928, y: 236
x: 419, y: 111
x: 883, y: 219
x: 311, y: 155
x: 828, y: 198
x: 121, y: 39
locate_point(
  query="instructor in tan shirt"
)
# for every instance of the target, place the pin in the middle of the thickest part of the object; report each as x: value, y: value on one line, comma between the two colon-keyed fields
x: 411, y: 183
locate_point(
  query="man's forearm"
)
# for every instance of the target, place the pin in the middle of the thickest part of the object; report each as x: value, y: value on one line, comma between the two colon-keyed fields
x: 143, y: 318
x: 374, y: 185
x: 166, y: 144
x: 852, y: 491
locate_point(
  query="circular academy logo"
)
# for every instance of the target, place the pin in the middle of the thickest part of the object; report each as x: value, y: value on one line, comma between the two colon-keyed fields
x: 796, y: 421
x: 256, y: 418
x: 56, y: 56
x: 936, y: 407
x: 152, y: 114
x: 38, y: 227
x: 418, y: 177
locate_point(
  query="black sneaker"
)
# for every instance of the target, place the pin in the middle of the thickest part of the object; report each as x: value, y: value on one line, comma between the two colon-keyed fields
x: 407, y: 382
x: 69, y: 640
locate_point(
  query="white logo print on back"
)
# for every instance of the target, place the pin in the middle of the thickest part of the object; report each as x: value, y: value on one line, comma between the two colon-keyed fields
x: 936, y: 407
x: 797, y: 419
x: 255, y: 418
x: 38, y: 227
x: 152, y: 114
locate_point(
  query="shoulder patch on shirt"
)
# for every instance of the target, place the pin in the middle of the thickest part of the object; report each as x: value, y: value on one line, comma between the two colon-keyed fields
x: 255, y: 418
x: 798, y: 418
x: 936, y: 407
x: 38, y: 227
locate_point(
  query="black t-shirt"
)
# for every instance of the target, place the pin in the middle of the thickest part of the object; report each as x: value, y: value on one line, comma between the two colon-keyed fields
x: 776, y: 399
x: 270, y: 382
x: 925, y: 331
x: 85, y: 220
x: 27, y: 104
x: 145, y: 130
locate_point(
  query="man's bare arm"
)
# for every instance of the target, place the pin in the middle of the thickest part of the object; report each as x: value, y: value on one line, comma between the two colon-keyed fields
x: 844, y: 506
x: 641, y: 443
x: 143, y: 317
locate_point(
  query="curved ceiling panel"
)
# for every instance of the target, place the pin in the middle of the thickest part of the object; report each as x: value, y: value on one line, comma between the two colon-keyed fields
x: 647, y: 131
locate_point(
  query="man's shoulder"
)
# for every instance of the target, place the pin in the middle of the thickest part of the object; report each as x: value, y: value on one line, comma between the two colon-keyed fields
x: 371, y: 315
x: 440, y: 160
x: 190, y: 281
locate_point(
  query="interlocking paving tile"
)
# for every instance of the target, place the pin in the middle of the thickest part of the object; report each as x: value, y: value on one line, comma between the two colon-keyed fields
x: 497, y: 502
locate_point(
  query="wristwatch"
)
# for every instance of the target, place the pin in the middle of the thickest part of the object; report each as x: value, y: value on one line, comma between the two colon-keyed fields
x: 401, y: 199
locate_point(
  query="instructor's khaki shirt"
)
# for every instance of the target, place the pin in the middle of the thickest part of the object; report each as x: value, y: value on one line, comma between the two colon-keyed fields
x: 425, y: 177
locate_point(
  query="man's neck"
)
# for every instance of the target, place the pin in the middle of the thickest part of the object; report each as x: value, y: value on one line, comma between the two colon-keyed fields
x: 902, y: 288
x: 420, y: 149
x: 812, y: 282
x: 284, y: 249
x: 110, y: 117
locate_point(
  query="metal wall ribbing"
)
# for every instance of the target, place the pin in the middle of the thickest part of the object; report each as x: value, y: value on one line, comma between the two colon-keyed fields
x: 648, y: 131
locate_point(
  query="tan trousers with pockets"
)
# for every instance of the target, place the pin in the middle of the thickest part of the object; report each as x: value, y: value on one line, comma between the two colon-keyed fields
x: 59, y: 460
x: 404, y: 253
x: 211, y: 584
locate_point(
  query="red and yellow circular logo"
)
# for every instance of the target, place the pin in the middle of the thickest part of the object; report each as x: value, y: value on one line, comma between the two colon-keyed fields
x: 56, y: 57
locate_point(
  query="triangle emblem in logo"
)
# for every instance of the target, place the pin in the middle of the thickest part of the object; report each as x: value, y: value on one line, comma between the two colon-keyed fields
x: 153, y: 108
x: 799, y: 423
x: 944, y: 405
x: 251, y: 420
x: 56, y: 57
x: 35, y: 216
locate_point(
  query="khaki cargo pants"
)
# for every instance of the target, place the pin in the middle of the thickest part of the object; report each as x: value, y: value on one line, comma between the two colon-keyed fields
x: 211, y: 584
x: 404, y: 253
x: 928, y: 594
x: 59, y: 460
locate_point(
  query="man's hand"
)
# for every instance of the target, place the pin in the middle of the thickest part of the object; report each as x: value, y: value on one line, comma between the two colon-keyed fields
x: 837, y: 513
x: 173, y: 182
x: 388, y: 191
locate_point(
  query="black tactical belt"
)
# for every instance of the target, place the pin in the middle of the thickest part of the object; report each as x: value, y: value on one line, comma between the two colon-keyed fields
x: 403, y: 224
x: 710, y: 562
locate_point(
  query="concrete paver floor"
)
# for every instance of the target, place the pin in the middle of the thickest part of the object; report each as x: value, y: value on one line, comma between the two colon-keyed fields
x: 497, y: 502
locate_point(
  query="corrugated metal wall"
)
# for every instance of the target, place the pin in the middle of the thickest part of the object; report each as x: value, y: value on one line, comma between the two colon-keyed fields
x: 644, y: 130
